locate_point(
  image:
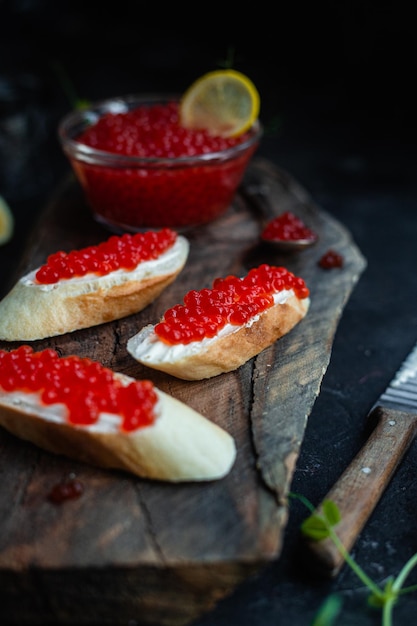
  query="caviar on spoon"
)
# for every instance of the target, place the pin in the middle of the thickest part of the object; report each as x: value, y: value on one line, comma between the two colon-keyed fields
x: 288, y: 232
x: 285, y: 232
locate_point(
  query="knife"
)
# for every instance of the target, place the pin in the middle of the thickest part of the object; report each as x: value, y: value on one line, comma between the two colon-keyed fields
x: 362, y: 484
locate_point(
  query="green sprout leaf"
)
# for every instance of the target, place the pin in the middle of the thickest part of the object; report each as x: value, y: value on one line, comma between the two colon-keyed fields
x: 315, y: 527
x: 328, y: 612
x: 377, y: 601
x: 318, y: 526
x: 331, y: 512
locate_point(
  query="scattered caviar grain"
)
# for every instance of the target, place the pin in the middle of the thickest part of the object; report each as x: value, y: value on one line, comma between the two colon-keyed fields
x: 83, y: 386
x: 330, y: 260
x: 230, y: 300
x: 288, y: 227
x: 69, y: 489
x: 123, y: 252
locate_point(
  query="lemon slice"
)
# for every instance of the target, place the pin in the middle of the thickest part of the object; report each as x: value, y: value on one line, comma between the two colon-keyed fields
x: 224, y: 102
x: 6, y: 222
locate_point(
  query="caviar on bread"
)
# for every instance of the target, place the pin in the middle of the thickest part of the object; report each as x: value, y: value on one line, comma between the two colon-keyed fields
x: 217, y: 330
x: 75, y: 407
x: 93, y: 285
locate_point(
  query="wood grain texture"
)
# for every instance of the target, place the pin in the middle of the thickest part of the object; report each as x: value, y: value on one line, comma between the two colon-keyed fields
x: 154, y: 552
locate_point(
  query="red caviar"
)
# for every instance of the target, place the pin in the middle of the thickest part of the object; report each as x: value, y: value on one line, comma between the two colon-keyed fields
x: 231, y: 300
x: 119, y: 252
x: 152, y: 131
x: 169, y: 180
x: 68, y: 489
x: 84, y: 386
x: 288, y: 227
x: 330, y: 260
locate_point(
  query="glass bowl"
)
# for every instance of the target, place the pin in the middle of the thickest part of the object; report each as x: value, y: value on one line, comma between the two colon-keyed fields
x: 133, y: 193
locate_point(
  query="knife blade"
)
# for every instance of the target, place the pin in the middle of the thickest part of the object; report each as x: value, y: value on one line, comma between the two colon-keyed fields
x: 362, y: 484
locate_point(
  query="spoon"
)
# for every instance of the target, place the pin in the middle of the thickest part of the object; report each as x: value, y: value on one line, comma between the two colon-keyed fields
x: 285, y: 232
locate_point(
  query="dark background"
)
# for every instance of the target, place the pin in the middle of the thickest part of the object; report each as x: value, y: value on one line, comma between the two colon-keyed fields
x: 334, y: 78
x: 337, y: 85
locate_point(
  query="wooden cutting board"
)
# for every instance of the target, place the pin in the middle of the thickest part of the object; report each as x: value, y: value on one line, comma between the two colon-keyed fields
x: 132, y: 549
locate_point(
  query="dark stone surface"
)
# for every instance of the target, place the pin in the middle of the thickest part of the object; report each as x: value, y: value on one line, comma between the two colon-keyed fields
x: 339, y: 109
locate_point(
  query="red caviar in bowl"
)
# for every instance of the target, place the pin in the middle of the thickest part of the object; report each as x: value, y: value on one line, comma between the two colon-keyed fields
x: 118, y: 252
x: 231, y: 300
x: 151, y: 132
x: 83, y: 386
x: 140, y: 168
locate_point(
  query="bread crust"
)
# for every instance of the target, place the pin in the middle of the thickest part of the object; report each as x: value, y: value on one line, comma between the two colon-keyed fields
x: 30, y: 311
x: 228, y: 352
x: 181, y: 445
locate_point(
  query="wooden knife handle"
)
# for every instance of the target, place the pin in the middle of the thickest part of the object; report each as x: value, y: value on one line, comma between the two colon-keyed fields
x: 360, y: 487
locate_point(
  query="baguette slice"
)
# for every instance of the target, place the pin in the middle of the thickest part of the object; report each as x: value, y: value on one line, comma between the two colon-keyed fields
x: 181, y: 445
x: 32, y: 311
x: 228, y: 350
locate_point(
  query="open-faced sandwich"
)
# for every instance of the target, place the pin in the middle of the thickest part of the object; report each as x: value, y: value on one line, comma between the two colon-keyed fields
x: 76, y: 407
x: 217, y: 330
x: 93, y: 285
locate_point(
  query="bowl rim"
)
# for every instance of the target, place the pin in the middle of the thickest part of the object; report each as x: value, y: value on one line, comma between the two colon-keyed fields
x: 82, y: 152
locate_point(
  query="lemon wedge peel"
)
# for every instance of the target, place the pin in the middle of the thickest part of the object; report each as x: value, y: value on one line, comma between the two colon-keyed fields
x: 224, y: 102
x: 6, y: 222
